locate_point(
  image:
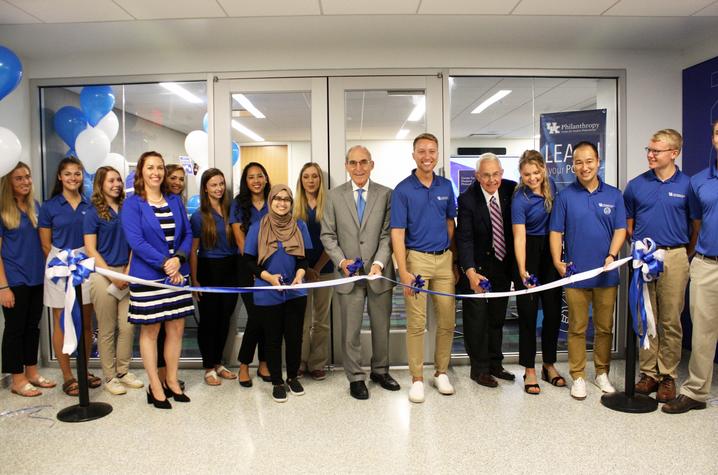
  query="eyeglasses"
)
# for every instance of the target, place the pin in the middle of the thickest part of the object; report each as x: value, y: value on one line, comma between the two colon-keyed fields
x: 362, y: 163
x: 285, y: 200
x: 491, y: 176
x: 654, y: 152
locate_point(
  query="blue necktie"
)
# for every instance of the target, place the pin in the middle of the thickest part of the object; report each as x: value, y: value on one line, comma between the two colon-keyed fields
x: 360, y: 204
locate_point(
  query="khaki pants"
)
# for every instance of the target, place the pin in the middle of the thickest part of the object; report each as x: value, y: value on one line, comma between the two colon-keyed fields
x: 115, y: 333
x: 704, y: 301
x: 667, y: 299
x: 603, y: 301
x: 315, y: 339
x: 437, y: 272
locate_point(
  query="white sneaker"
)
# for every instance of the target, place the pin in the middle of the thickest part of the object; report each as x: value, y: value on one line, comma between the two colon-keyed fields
x: 131, y: 381
x: 416, y: 393
x: 603, y: 383
x: 443, y: 385
x: 578, y: 389
x: 114, y: 386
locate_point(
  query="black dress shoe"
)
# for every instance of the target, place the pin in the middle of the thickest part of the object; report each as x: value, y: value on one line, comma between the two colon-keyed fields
x: 485, y: 379
x: 358, y: 390
x: 501, y: 373
x: 385, y: 381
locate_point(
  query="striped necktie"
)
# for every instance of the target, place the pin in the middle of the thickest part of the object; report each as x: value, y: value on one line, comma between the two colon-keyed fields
x: 497, y: 225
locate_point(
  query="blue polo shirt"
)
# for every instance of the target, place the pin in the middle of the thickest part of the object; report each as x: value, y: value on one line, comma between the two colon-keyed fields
x: 236, y: 213
x: 66, y: 223
x: 703, y: 200
x: 528, y: 208
x: 315, y: 230
x: 22, y: 253
x: 423, y: 212
x: 278, y: 263
x: 659, y: 208
x: 588, y: 221
x: 223, y: 247
x: 111, y: 242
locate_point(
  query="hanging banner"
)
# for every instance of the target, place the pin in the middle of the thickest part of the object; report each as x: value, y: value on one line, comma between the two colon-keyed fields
x: 560, y: 131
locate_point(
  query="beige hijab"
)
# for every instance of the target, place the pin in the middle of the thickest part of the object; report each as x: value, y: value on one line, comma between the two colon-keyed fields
x: 274, y: 228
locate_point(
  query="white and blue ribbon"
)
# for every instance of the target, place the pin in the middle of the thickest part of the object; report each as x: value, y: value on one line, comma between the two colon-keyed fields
x: 647, y: 263
x: 74, y: 268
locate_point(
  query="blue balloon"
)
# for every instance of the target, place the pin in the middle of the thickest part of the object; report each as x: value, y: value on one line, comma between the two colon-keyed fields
x: 205, y: 122
x: 235, y: 153
x: 87, y: 181
x: 69, y: 121
x: 10, y: 71
x: 193, y: 204
x: 96, y: 102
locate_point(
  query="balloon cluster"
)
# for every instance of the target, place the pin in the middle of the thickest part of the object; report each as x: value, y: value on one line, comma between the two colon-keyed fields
x: 10, y: 77
x: 89, y: 130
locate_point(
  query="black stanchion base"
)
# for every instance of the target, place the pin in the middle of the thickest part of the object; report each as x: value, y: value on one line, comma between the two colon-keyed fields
x: 636, y: 404
x: 77, y: 413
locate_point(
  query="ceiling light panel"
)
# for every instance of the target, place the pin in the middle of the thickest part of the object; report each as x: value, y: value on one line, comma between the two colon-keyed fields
x: 246, y: 8
x: 248, y: 106
x: 247, y: 132
x: 69, y: 11
x: 156, y: 9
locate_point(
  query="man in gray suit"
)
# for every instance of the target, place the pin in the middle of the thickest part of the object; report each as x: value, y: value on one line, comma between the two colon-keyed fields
x: 356, y: 224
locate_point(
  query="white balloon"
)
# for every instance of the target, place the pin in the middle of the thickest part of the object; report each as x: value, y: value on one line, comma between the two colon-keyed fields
x: 92, y: 147
x: 116, y: 161
x: 109, y: 125
x: 197, y: 146
x: 10, y: 150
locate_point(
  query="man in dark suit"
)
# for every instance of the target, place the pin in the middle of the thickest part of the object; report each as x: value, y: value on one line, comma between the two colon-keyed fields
x: 486, y: 251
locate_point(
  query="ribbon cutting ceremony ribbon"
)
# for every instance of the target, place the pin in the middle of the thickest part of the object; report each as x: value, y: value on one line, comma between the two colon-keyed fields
x: 647, y: 263
x: 74, y: 268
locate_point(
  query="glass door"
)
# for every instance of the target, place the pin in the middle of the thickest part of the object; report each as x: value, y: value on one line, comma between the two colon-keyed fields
x: 278, y: 122
x: 383, y: 114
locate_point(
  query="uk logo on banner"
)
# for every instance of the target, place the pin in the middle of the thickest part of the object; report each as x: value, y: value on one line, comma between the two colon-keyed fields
x: 560, y: 131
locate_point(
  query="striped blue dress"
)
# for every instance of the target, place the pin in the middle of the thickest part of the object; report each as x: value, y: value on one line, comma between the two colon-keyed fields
x: 152, y: 304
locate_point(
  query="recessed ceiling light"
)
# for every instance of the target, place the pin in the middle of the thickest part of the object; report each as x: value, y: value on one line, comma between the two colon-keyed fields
x: 182, y: 92
x: 247, y: 104
x: 495, y: 98
x: 245, y: 131
x: 402, y: 134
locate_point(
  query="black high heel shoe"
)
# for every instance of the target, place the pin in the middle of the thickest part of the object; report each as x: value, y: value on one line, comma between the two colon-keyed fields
x: 157, y: 403
x: 181, y: 397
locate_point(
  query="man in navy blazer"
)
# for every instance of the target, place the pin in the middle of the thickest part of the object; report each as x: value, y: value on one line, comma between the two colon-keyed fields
x: 484, y: 208
x: 147, y: 240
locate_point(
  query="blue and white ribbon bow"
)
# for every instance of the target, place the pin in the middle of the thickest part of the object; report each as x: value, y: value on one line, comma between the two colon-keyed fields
x: 355, y: 267
x: 647, y: 266
x: 75, y: 268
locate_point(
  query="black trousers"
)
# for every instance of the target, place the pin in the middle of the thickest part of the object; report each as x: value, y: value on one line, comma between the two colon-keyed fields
x: 540, y: 264
x: 284, y: 322
x: 215, y: 310
x: 484, y: 324
x: 21, y: 336
x: 253, y: 336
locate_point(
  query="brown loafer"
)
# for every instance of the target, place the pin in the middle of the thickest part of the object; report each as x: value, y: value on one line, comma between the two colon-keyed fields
x: 485, y: 379
x: 666, y: 390
x: 682, y: 404
x: 318, y: 374
x: 646, y: 385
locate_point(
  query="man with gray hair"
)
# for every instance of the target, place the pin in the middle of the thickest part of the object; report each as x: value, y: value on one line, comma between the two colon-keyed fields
x: 356, y: 224
x: 485, y: 243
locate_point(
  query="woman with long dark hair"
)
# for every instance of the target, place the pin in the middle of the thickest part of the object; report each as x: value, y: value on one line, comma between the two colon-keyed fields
x: 276, y: 253
x: 530, y: 212
x: 213, y: 262
x: 21, y: 276
x: 309, y: 207
x: 158, y: 231
x: 249, y: 207
x: 105, y: 242
x: 60, y: 223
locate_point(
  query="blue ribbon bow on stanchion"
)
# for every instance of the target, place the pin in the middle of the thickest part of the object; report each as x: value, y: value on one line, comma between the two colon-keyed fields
x: 355, y: 266
x: 75, y: 268
x: 647, y: 266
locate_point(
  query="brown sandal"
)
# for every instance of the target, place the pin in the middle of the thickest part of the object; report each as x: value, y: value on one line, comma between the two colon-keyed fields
x: 71, y: 388
x: 93, y: 381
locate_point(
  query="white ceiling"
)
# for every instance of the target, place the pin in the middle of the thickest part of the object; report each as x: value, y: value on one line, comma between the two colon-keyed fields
x: 67, y: 11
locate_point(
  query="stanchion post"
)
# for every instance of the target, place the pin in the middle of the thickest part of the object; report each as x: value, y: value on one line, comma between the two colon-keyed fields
x: 85, y: 410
